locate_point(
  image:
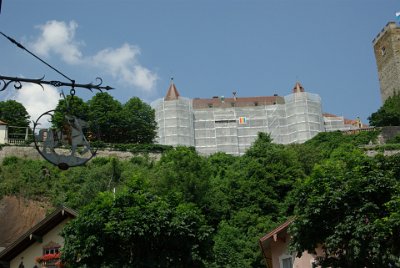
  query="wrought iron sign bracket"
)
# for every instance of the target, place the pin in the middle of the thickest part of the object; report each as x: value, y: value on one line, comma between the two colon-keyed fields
x: 64, y: 146
x: 5, y: 81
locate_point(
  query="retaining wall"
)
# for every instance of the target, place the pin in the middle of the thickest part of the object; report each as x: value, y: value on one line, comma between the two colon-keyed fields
x: 31, y: 153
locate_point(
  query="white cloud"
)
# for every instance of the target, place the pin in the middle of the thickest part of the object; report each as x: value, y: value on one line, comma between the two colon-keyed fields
x: 121, y: 63
x: 58, y: 37
x: 37, y: 101
x: 144, y: 78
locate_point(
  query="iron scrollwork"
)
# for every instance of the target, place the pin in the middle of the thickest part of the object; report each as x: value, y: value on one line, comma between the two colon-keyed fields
x: 5, y: 81
x: 64, y: 146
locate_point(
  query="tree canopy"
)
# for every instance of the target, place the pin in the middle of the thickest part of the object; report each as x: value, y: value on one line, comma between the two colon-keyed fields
x: 109, y: 120
x: 347, y: 205
x: 14, y: 113
x: 189, y: 210
x: 136, y: 228
x: 138, y: 121
x: 388, y: 114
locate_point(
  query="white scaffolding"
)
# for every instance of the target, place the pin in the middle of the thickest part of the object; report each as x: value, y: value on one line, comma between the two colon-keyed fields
x: 175, y: 121
x: 217, y: 126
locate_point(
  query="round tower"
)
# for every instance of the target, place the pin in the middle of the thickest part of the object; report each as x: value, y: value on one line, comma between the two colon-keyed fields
x: 303, y: 115
x: 174, y: 118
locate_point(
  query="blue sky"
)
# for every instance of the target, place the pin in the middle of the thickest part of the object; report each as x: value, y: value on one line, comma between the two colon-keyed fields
x: 211, y: 48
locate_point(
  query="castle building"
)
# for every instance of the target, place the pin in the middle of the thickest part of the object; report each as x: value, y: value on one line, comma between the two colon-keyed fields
x: 387, y: 54
x: 231, y: 125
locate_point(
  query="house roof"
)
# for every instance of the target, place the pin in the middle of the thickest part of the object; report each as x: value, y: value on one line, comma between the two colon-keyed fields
x: 354, y: 122
x: 3, y: 123
x: 39, y: 230
x: 279, y: 233
x: 330, y: 115
x: 281, y: 228
x: 172, y: 93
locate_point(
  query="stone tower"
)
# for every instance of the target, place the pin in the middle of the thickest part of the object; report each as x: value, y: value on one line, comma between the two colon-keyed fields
x: 387, y: 55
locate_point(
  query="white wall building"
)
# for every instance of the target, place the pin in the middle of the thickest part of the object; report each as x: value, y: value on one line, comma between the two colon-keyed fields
x: 231, y: 125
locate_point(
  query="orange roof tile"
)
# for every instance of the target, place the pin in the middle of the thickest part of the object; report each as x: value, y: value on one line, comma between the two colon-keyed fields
x: 237, y: 102
x: 172, y: 93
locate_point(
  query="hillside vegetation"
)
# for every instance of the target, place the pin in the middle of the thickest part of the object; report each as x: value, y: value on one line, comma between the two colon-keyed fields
x: 187, y: 210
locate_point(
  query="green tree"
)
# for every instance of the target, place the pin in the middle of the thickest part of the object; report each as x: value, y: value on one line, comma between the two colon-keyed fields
x: 135, y: 228
x: 218, y: 197
x: 388, y: 114
x: 184, y: 175
x: 347, y: 205
x: 70, y: 106
x: 236, y: 240
x: 105, y: 117
x: 139, y: 122
x: 249, y: 193
x: 271, y: 170
x: 14, y: 113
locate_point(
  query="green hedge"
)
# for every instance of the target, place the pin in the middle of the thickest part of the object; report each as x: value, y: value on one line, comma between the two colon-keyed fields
x: 133, y: 148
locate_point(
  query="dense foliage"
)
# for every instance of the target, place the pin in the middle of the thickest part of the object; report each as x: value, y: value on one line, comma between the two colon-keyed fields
x: 109, y: 120
x: 388, y: 114
x: 187, y: 210
x: 14, y: 113
x: 136, y: 228
x: 348, y: 201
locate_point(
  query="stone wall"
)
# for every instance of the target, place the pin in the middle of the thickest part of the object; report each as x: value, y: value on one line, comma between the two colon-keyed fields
x: 31, y: 153
x: 372, y: 153
x: 390, y: 132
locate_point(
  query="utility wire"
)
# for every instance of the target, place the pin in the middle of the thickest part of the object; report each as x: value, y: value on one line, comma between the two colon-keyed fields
x: 23, y: 48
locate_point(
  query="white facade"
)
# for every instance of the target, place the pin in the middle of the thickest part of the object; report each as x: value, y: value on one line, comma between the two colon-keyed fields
x: 3, y: 133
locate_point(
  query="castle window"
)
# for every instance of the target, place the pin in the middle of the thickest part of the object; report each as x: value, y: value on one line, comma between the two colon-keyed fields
x: 210, y: 105
x: 383, y: 51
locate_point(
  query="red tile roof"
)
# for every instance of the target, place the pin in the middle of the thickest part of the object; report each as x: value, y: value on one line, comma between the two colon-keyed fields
x: 220, y: 102
x: 172, y: 93
x: 329, y: 115
x: 354, y: 122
